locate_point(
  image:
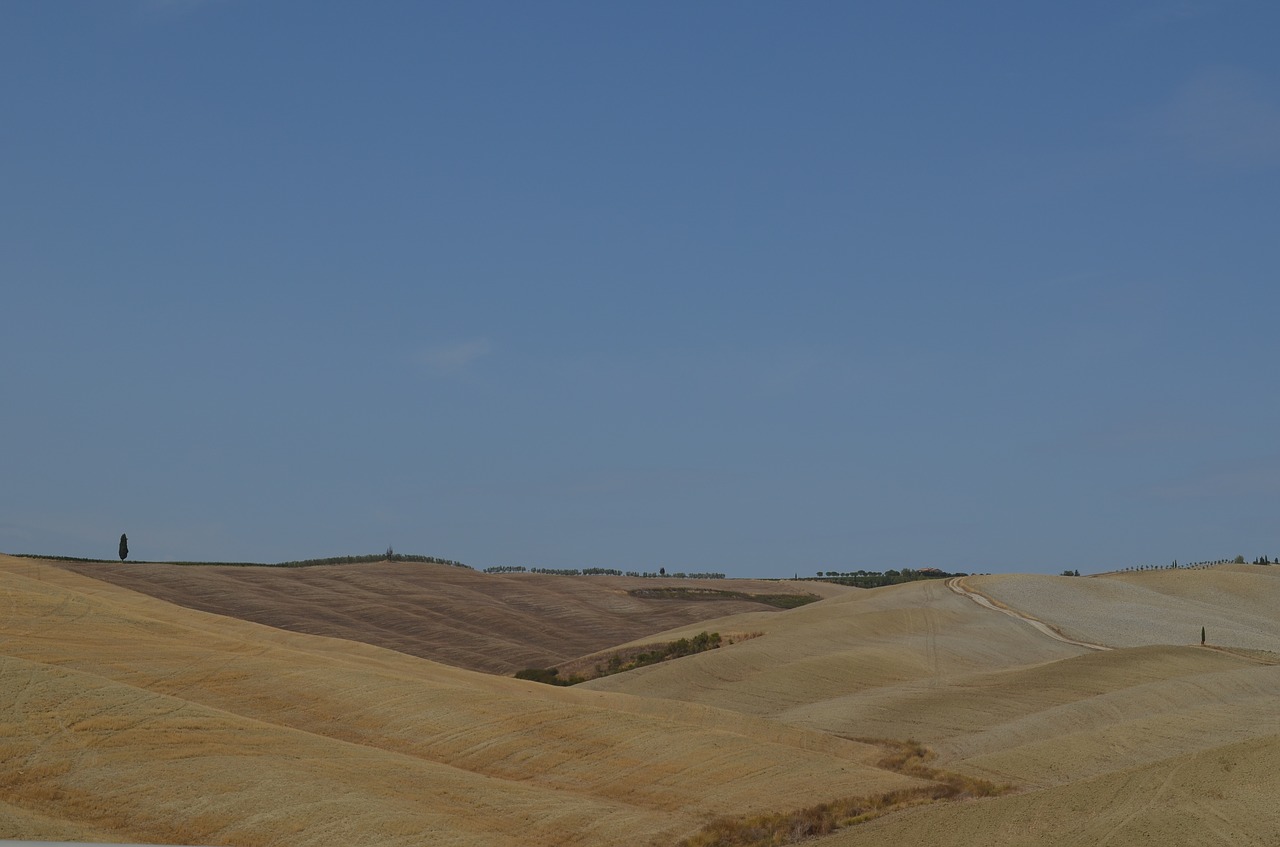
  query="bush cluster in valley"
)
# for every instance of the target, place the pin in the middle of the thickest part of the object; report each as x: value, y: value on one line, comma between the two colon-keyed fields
x: 662, y: 572
x: 626, y: 660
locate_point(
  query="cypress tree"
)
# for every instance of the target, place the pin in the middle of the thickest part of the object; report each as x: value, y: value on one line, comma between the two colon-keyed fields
x: 1201, y: 636
x: 124, y: 546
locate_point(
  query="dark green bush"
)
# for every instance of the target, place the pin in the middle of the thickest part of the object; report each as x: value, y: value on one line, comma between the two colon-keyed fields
x: 549, y: 676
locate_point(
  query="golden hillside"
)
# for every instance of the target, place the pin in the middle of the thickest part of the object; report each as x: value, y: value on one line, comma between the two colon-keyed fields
x: 132, y: 718
x: 136, y: 719
x: 1103, y: 744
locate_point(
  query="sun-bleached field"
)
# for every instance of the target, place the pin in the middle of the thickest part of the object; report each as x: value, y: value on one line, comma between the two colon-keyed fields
x: 1235, y: 604
x: 130, y: 718
x: 1158, y: 736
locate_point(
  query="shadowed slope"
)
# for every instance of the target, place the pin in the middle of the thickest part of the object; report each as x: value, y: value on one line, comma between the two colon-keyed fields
x: 130, y: 716
x: 498, y: 623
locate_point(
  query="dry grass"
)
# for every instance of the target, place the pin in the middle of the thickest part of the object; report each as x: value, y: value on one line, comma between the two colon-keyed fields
x: 1235, y: 605
x: 130, y: 718
x: 998, y: 700
x: 916, y: 634
x: 136, y: 718
x: 905, y: 757
x: 1219, y: 796
x: 17, y: 822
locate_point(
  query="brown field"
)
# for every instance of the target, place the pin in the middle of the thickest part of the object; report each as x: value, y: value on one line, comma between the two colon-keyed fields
x: 128, y: 718
x: 496, y: 623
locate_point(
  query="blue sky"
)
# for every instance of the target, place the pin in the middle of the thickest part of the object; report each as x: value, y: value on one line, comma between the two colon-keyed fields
x: 757, y: 288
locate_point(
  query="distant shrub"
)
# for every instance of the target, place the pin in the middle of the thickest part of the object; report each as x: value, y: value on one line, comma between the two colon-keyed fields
x: 548, y: 676
x: 781, y: 601
x: 876, y: 579
x: 626, y: 660
x: 595, y: 571
x: 390, y: 555
x: 656, y: 653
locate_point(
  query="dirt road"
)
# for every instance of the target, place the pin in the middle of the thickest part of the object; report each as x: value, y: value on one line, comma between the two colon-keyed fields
x: 958, y: 585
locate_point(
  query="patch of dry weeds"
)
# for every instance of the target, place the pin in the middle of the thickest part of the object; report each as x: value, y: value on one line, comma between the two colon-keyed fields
x: 907, y: 757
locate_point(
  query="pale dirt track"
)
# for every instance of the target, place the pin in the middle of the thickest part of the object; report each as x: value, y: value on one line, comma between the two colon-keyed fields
x: 1067, y: 723
x: 959, y: 586
x: 1235, y: 604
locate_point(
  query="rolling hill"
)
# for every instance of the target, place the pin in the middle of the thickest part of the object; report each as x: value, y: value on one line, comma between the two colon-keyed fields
x: 1074, y: 729
x: 128, y: 717
x: 497, y: 623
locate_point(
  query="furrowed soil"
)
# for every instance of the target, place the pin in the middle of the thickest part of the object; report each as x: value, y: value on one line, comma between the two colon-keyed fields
x: 496, y: 623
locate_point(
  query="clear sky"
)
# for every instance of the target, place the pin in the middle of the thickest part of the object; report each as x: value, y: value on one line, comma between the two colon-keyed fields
x: 762, y: 288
